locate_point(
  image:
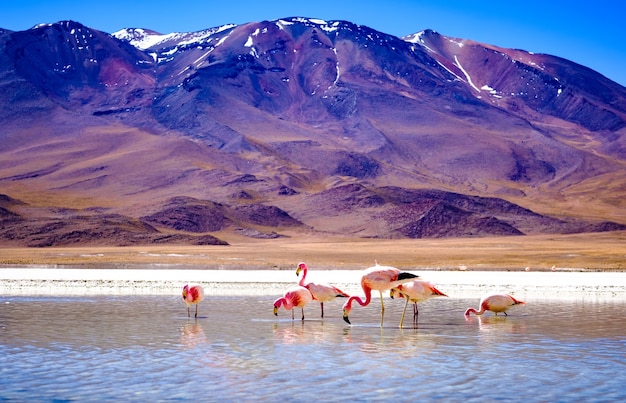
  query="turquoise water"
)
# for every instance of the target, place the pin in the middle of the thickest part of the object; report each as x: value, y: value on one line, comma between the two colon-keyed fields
x: 144, y: 348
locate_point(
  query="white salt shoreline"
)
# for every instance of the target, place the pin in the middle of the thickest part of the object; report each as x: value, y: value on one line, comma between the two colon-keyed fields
x: 456, y: 284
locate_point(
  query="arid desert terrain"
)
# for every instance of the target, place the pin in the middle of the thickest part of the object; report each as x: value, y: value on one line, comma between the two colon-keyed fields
x: 599, y: 251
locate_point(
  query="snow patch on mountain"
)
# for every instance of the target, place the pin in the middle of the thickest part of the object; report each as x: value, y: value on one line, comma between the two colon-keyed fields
x: 145, y: 39
x: 321, y: 24
x: 418, y: 39
x: 467, y: 76
x: 141, y: 38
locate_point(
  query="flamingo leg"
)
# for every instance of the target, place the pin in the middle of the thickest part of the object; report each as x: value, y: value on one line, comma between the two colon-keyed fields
x: 403, y: 312
x: 292, y: 315
x: 415, y: 313
x: 303, y: 313
x: 382, y: 309
x: 188, y: 312
x: 322, y: 305
x: 196, y: 311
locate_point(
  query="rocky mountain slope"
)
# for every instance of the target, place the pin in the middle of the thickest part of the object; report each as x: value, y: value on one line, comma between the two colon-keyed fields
x: 299, y: 126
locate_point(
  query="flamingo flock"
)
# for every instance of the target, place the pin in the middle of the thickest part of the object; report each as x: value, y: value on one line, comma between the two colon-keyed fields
x: 400, y: 284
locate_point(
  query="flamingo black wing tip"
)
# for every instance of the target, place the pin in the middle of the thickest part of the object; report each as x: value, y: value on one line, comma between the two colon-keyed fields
x: 406, y: 275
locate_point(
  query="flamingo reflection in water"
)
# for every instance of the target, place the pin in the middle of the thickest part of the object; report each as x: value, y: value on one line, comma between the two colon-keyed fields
x: 192, y: 334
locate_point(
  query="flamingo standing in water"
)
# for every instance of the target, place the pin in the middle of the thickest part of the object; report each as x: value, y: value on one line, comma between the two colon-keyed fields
x: 321, y: 292
x: 494, y: 303
x: 379, y: 278
x: 415, y: 291
x: 192, y: 295
x: 295, y: 297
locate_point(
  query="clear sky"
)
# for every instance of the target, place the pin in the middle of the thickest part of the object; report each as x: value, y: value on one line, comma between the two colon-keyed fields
x: 589, y: 33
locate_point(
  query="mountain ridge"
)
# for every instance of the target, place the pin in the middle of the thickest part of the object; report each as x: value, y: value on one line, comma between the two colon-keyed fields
x: 273, y: 113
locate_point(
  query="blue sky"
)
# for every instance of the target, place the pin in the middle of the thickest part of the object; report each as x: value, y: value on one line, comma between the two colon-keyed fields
x: 592, y: 34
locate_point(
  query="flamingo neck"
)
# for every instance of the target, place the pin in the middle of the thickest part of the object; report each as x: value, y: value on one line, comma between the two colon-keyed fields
x: 368, y: 299
x: 472, y: 310
x: 284, y: 302
x: 185, y: 292
x: 304, y: 271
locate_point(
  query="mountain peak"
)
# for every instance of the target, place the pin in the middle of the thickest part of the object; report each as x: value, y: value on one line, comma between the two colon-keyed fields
x: 419, y: 36
x: 68, y: 25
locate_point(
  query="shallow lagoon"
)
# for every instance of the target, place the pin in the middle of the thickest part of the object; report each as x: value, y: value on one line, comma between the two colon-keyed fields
x: 144, y: 348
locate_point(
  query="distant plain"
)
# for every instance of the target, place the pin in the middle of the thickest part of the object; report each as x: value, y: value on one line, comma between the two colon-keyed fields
x: 597, y: 251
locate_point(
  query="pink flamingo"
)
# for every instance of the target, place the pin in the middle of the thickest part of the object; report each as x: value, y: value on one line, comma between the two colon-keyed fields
x: 379, y: 278
x: 192, y: 295
x: 321, y: 292
x: 295, y: 297
x: 494, y: 303
x: 415, y: 291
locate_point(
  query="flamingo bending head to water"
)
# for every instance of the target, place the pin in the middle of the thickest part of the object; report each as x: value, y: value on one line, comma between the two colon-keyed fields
x: 321, y: 292
x: 295, y: 297
x: 494, y: 303
x: 380, y: 278
x: 415, y: 291
x: 192, y: 295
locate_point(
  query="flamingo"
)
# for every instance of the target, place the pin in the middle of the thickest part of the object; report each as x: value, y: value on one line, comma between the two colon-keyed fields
x: 494, y: 303
x: 321, y: 292
x: 192, y: 295
x: 415, y: 291
x: 295, y: 297
x: 379, y: 278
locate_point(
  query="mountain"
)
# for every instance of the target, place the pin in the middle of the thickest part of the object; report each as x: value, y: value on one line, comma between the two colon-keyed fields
x: 299, y: 126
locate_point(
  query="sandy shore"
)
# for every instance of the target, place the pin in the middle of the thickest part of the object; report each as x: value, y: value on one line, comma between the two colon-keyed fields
x: 168, y: 281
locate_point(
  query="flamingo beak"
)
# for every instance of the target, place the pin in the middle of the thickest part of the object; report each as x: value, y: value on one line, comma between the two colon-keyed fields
x: 345, y: 316
x: 275, y: 311
x: 298, y: 271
